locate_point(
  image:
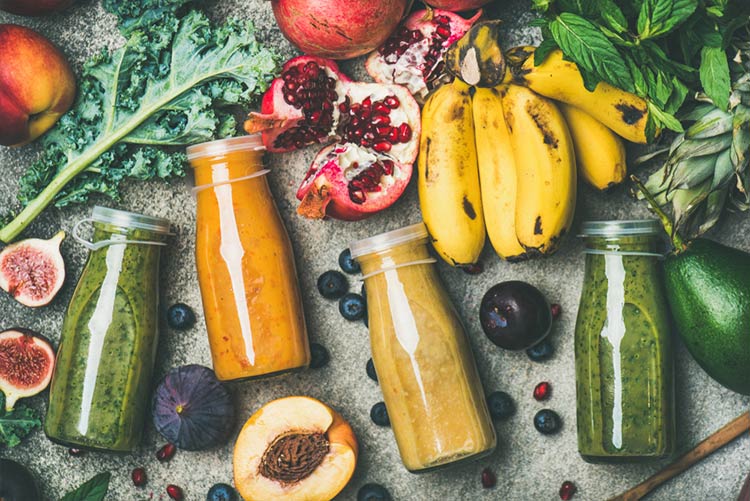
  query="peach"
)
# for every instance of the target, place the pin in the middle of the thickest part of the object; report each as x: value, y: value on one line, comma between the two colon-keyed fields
x: 294, y: 448
x: 33, y: 7
x: 36, y: 85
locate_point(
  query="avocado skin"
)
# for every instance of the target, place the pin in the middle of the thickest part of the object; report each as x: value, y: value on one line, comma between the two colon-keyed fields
x: 708, y: 289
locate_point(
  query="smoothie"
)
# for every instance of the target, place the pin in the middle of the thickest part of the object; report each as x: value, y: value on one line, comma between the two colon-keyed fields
x: 624, y: 368
x: 100, y: 390
x: 422, y: 356
x: 246, y: 271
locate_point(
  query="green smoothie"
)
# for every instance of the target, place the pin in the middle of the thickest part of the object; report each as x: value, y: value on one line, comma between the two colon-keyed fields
x: 100, y: 390
x: 624, y: 368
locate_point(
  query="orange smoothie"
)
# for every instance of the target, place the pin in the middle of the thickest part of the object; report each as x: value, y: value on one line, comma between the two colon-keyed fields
x: 245, y: 263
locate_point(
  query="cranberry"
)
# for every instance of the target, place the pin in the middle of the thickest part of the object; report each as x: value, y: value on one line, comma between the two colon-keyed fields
x: 542, y: 391
x: 567, y: 490
x: 166, y: 453
x: 488, y: 478
x: 175, y: 492
x: 139, y: 477
x: 76, y: 452
x: 556, y: 311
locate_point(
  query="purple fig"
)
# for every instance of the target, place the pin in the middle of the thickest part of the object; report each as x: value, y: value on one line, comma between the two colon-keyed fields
x: 192, y: 409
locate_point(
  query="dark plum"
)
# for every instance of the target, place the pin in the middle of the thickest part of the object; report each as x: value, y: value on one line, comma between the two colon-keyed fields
x: 192, y: 409
x: 332, y: 284
x: 515, y: 315
x: 348, y: 264
x: 17, y: 483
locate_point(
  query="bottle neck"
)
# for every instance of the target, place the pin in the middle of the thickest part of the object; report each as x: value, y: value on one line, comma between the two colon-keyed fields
x: 233, y: 165
x: 415, y: 252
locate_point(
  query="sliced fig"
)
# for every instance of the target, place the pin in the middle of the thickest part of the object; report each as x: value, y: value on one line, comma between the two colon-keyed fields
x: 413, y: 54
x: 33, y: 270
x: 192, y: 409
x: 26, y: 364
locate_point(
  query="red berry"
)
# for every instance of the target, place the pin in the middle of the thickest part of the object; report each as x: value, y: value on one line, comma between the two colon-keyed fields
x: 488, y: 479
x: 166, y: 453
x: 567, y: 490
x: 473, y: 269
x: 542, y: 391
x: 139, y: 477
x: 175, y: 492
x: 76, y: 452
x: 556, y: 311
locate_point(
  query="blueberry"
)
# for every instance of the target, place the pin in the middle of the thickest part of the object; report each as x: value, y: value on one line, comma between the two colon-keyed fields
x: 332, y: 284
x: 541, y: 351
x: 348, y: 264
x: 501, y: 405
x: 373, y: 492
x: 180, y: 316
x: 371, y: 370
x: 547, y: 421
x: 221, y: 492
x: 379, y: 414
x: 319, y: 356
x: 352, y: 307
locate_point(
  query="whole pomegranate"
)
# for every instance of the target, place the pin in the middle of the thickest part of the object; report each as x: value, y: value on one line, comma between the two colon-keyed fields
x: 338, y: 29
x: 457, y: 5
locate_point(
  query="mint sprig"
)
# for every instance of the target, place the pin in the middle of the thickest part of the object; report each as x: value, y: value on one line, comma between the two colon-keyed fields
x: 93, y: 490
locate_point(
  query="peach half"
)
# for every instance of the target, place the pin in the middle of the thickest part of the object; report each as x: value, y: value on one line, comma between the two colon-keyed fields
x: 294, y: 448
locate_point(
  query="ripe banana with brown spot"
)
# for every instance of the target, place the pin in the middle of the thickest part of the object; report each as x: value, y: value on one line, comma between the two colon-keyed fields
x: 497, y: 172
x: 448, y: 177
x: 545, y: 166
x: 600, y: 153
x: 625, y: 113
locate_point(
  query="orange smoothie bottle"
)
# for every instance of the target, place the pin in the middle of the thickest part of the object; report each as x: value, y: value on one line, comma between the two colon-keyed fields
x: 246, y: 271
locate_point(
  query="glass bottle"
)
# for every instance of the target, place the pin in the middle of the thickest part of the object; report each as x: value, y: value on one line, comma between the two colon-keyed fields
x: 421, y: 353
x: 623, y: 348
x: 101, y: 385
x: 246, y: 271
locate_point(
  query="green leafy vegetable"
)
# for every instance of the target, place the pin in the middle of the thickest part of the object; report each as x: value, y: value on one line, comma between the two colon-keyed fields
x: 714, y: 73
x: 16, y: 424
x: 174, y: 83
x: 93, y: 490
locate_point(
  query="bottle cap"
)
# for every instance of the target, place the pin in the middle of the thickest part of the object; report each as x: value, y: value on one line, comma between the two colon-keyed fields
x: 618, y: 228
x: 388, y: 240
x: 252, y: 142
x: 127, y: 219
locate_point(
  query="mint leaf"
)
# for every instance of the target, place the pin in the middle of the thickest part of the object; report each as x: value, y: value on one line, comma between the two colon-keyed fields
x: 613, y: 16
x: 714, y: 71
x: 591, y: 50
x: 16, y: 424
x: 664, y: 119
x: 541, y: 52
x: 659, y: 17
x: 93, y: 490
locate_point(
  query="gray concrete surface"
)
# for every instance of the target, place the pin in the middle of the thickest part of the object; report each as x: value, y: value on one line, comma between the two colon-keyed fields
x: 529, y: 466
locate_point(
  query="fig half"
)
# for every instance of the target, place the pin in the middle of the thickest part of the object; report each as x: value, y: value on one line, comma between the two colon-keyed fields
x: 33, y: 270
x: 26, y: 364
x: 192, y: 409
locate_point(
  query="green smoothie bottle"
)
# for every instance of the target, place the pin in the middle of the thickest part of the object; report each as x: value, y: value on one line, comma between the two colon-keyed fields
x: 623, y: 349
x: 100, y: 389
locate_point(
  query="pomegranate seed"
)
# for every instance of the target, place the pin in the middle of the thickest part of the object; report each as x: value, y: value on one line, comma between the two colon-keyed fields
x: 393, y: 135
x: 355, y: 107
x: 556, y: 311
x: 443, y: 31
x: 312, y: 69
x: 567, y: 490
x: 381, y: 120
x: 392, y: 102
x: 404, y: 132
x: 139, y: 477
x: 381, y: 108
x: 382, y: 147
x: 442, y: 20
x: 368, y: 136
x: 166, y: 453
x: 175, y: 492
x: 542, y: 391
x: 473, y: 269
x: 367, y: 103
x: 344, y: 107
x: 76, y: 452
x: 388, y: 167
x: 357, y: 196
x: 488, y: 479
x: 384, y: 130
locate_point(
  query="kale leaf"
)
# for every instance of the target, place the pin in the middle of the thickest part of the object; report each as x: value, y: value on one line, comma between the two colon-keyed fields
x: 16, y: 424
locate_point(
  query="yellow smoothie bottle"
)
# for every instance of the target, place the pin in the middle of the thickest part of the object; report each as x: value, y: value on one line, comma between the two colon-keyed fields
x: 246, y: 269
x: 422, y: 356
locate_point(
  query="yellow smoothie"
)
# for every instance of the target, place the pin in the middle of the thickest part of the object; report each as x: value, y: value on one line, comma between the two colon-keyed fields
x: 422, y: 356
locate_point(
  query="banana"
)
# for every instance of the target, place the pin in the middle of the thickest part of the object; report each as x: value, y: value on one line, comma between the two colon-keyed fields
x: 546, y: 169
x: 600, y: 153
x: 449, y: 193
x: 625, y: 113
x: 497, y: 172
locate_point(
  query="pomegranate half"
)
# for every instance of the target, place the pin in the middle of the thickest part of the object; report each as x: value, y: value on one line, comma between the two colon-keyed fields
x: 338, y: 29
x: 26, y: 364
x: 375, y: 129
x: 457, y: 5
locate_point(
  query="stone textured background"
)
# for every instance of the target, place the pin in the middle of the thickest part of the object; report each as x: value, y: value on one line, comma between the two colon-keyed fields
x: 529, y: 466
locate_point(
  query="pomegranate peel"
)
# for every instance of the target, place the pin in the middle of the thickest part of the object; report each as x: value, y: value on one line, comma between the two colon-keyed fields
x: 457, y: 5
x: 26, y: 364
x: 413, y: 54
x: 375, y: 128
x: 33, y: 270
